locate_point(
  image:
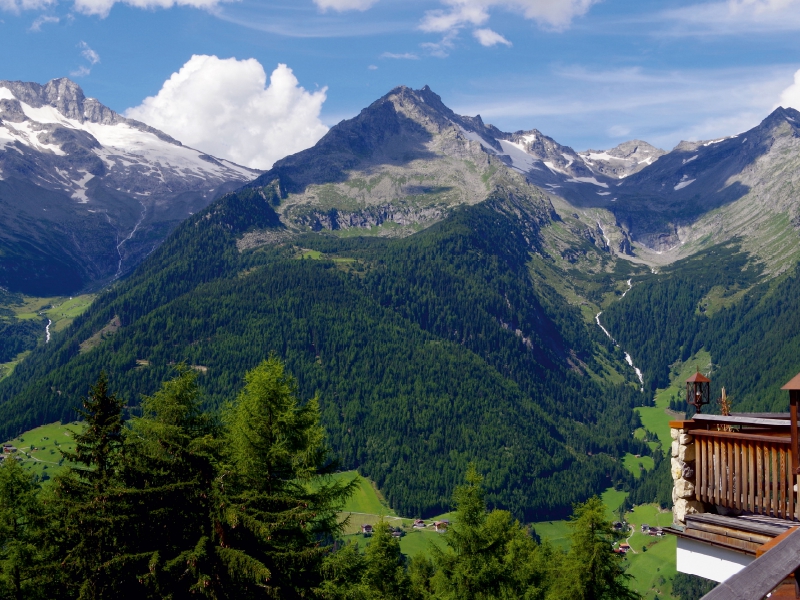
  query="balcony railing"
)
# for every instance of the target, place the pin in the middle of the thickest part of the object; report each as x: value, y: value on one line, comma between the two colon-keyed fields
x: 744, y: 463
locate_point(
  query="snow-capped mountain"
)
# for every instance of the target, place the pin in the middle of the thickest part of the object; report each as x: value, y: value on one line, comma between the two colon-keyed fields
x: 87, y: 193
x: 626, y: 159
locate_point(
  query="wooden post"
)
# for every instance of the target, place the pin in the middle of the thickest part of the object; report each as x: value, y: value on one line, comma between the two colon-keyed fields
x: 793, y: 387
x: 793, y: 398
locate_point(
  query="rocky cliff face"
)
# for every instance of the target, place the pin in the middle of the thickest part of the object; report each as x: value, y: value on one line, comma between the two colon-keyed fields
x: 87, y: 193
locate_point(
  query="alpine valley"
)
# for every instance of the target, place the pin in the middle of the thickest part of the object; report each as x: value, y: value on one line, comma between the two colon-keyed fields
x: 451, y: 292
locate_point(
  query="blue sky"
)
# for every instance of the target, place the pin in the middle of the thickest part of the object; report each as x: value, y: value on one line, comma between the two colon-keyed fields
x: 589, y: 73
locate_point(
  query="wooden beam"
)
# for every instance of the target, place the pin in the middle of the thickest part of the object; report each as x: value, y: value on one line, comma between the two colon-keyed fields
x: 762, y: 575
x: 775, y: 541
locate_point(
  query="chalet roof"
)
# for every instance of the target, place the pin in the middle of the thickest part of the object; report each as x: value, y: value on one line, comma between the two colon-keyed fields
x: 699, y: 378
x: 794, y: 383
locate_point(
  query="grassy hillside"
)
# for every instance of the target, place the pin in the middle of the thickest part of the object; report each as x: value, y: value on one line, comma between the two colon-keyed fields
x: 23, y: 323
x: 39, y: 449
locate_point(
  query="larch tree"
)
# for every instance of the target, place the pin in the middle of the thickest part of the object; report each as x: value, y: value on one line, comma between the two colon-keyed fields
x: 277, y: 502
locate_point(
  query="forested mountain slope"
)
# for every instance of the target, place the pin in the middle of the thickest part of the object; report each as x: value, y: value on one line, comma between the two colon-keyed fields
x: 427, y: 352
x: 720, y: 301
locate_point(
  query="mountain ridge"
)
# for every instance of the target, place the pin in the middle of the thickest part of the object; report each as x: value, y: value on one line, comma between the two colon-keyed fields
x: 87, y: 193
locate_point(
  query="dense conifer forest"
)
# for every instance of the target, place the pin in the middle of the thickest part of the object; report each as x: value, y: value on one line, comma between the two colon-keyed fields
x: 718, y: 301
x: 179, y: 503
x: 427, y: 353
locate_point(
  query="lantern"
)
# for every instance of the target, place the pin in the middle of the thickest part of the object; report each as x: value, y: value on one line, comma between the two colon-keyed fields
x: 698, y: 391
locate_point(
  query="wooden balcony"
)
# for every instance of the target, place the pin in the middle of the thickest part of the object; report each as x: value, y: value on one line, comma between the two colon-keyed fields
x: 735, y: 495
x: 744, y: 464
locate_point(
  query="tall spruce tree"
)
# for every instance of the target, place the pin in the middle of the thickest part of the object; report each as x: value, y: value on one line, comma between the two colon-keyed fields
x: 169, y: 477
x: 276, y: 503
x: 88, y: 508
x: 591, y: 569
x: 21, y: 551
x: 474, y: 568
x: 384, y: 575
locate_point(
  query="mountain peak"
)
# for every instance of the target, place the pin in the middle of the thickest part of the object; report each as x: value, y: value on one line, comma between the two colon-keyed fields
x: 779, y: 116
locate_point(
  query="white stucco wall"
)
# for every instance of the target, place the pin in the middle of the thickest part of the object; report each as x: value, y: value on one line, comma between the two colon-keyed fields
x: 711, y: 562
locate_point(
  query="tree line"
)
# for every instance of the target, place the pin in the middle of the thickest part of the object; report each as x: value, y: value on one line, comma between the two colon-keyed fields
x: 179, y: 503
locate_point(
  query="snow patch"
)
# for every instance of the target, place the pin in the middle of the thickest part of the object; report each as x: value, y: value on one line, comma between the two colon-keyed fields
x: 688, y: 160
x: 647, y: 161
x: 605, y: 156
x: 5, y: 94
x: 719, y: 140
x: 568, y: 158
x: 529, y: 138
x: 520, y: 159
x: 552, y: 167
x: 603, y: 193
x: 591, y: 180
x: 683, y: 184
x: 80, y: 193
x: 471, y: 135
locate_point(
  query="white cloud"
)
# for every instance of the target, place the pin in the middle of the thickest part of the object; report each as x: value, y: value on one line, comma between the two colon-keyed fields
x: 224, y: 107
x: 733, y: 17
x: 103, y: 7
x: 790, y: 97
x: 441, y: 49
x: 487, y: 37
x: 373, y: 67
x: 343, y: 5
x: 760, y: 6
x: 89, y: 54
x: 81, y: 71
x: 403, y: 56
x: 16, y: 6
x: 552, y: 14
x: 41, y: 20
x: 619, y: 131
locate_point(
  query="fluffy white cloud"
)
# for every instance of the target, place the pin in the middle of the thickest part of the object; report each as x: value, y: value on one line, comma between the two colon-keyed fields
x: 343, y: 5
x: 487, y: 37
x: 224, y: 107
x: 103, y: 7
x: 791, y: 95
x: 553, y: 14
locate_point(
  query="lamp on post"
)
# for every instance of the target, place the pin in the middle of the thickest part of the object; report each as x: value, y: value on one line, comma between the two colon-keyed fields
x: 698, y: 391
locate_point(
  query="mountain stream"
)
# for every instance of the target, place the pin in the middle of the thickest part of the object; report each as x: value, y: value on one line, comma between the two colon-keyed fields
x: 628, y: 358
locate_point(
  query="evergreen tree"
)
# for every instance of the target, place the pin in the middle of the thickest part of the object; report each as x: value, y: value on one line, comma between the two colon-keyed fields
x: 170, y: 481
x: 384, y: 575
x: 88, y: 508
x: 592, y: 570
x: 276, y: 502
x: 20, y: 532
x: 475, y: 567
x: 342, y: 570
